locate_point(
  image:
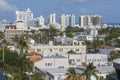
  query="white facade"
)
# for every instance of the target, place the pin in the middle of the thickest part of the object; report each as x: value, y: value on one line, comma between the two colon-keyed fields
x: 84, y: 37
x: 70, y: 60
x: 20, y: 25
x: 97, y: 59
x: 41, y: 21
x: 79, y: 59
x: 55, y: 67
x: 24, y: 15
x: 67, y: 20
x: 52, y: 18
x: 58, y: 49
x: 86, y: 20
x: 53, y: 61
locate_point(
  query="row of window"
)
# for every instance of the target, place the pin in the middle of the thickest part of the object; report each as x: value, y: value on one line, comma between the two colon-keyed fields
x: 96, y: 60
x: 73, y: 60
x: 60, y: 49
x: 48, y: 64
x: 13, y: 31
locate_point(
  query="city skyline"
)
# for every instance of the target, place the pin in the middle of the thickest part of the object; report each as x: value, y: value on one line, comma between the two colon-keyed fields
x: 108, y: 9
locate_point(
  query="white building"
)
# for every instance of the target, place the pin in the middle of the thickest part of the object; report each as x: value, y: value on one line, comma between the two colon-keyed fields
x: 53, y: 61
x: 83, y: 37
x: 97, y: 59
x: 41, y: 21
x: 33, y: 23
x: 20, y: 25
x: 52, y: 18
x: 71, y: 60
x: 55, y: 67
x: 67, y: 20
x: 24, y: 15
x: 86, y: 20
x: 92, y: 32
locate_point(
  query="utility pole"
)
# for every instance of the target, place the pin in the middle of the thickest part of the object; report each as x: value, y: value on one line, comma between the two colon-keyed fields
x: 3, y: 52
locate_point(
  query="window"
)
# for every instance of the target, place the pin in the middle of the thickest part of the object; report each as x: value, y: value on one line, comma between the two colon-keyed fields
x: 38, y: 50
x: 78, y: 60
x: 50, y: 50
x: 48, y: 64
x: 77, y: 49
x: 61, y: 49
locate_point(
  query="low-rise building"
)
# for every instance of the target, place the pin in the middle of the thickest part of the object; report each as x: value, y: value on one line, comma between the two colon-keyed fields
x: 53, y: 61
x: 55, y: 49
x: 71, y: 60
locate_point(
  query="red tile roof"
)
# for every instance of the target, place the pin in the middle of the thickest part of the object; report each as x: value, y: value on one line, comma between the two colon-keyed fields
x: 10, y: 27
x: 107, y: 47
x: 32, y: 53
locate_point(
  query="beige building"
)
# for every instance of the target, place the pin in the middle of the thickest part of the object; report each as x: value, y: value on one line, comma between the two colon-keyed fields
x: 11, y: 31
x: 58, y: 49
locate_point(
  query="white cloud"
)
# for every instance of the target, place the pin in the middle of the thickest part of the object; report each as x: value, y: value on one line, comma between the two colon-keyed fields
x: 4, y: 6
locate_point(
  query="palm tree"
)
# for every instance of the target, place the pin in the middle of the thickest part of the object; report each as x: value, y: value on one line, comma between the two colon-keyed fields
x: 22, y: 45
x: 71, y: 74
x: 101, y: 78
x: 89, y: 70
x: 37, y: 76
x: 113, y: 55
x: 28, y: 67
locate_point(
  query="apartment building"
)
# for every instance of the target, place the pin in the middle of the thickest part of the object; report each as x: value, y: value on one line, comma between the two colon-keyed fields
x: 86, y: 20
x: 71, y: 60
x: 77, y: 47
x: 11, y: 31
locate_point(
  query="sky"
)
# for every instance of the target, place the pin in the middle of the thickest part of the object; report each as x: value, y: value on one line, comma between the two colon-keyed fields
x: 108, y: 9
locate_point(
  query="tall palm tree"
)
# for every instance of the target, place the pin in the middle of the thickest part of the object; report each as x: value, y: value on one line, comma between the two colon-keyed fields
x: 22, y: 45
x: 89, y: 70
x: 28, y: 67
x: 71, y: 74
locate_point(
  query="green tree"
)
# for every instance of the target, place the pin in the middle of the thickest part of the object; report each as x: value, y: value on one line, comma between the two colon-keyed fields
x: 1, y: 35
x: 114, y: 55
x: 101, y: 78
x: 71, y: 74
x: 37, y: 76
x: 89, y: 70
x: 69, y: 30
x: 22, y: 45
x: 71, y: 52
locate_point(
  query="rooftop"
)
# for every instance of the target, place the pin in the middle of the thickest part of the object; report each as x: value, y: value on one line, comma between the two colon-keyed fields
x: 55, y: 56
x: 105, y: 69
x: 116, y: 60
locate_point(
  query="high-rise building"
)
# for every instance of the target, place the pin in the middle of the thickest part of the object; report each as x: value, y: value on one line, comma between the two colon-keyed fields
x: 24, y: 16
x: 41, y: 21
x: 52, y: 18
x: 33, y: 23
x: 72, y: 20
x: 87, y: 20
x: 67, y: 20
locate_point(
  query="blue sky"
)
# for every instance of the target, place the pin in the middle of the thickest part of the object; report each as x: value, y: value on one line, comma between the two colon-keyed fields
x: 109, y: 9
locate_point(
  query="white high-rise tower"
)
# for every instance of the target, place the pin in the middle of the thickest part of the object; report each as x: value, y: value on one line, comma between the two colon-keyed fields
x: 41, y: 21
x: 24, y: 16
x: 67, y: 20
x: 52, y: 18
x: 87, y: 20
